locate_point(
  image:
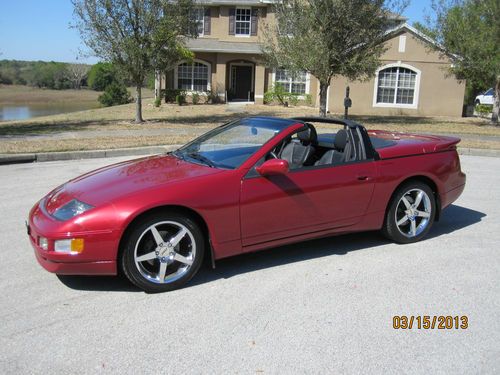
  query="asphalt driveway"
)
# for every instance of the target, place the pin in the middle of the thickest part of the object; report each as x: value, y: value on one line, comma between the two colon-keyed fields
x: 323, y: 306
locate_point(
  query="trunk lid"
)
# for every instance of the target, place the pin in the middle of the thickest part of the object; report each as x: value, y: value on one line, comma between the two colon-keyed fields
x: 394, y: 144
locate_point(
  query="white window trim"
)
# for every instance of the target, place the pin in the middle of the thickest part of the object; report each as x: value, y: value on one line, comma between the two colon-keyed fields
x: 308, y: 84
x: 202, y: 20
x: 399, y: 64
x: 249, y: 24
x: 209, y: 76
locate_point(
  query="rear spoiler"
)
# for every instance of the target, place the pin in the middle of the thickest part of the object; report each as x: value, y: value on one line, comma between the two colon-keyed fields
x: 447, y: 143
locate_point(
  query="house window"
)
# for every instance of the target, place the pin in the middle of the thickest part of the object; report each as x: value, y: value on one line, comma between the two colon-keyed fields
x: 193, y: 77
x: 397, y: 85
x: 295, y: 84
x: 198, y: 16
x: 243, y: 21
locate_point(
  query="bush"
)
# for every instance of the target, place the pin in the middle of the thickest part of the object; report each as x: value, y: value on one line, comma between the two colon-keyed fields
x: 180, y: 99
x: 483, y: 109
x: 114, y: 94
x: 157, y: 102
x: 293, y: 99
x: 170, y: 95
x: 308, y: 99
x: 213, y: 97
x: 195, y: 98
x: 278, y: 94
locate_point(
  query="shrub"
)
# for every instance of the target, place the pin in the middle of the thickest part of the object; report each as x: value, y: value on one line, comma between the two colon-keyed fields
x: 170, y: 95
x: 180, y: 99
x: 157, y: 102
x: 114, y: 94
x: 213, y: 97
x: 293, y: 99
x: 483, y: 109
x: 278, y: 94
x: 195, y: 98
x: 308, y: 99
x: 268, y: 97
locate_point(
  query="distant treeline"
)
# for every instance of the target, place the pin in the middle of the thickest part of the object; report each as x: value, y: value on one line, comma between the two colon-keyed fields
x: 60, y: 76
x: 53, y: 75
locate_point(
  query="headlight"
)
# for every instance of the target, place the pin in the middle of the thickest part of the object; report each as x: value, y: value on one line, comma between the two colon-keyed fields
x: 71, y: 209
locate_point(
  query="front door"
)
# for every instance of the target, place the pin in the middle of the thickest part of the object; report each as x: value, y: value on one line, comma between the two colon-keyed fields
x: 241, y: 82
x: 304, y: 201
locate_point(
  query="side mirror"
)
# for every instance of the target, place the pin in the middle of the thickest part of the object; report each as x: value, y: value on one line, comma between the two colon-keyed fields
x: 273, y: 167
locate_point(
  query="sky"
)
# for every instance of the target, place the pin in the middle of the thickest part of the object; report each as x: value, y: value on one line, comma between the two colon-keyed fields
x: 40, y: 30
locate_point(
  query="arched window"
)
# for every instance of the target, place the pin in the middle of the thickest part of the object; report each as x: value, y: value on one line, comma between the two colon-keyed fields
x: 397, y: 86
x: 193, y: 76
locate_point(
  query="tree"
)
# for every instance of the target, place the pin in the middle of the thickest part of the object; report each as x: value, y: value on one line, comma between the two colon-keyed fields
x: 138, y: 36
x: 469, y: 30
x: 341, y: 37
x: 101, y: 75
x: 76, y: 73
x: 52, y: 75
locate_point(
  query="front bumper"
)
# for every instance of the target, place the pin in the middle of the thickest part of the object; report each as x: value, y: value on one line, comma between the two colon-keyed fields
x: 97, y: 258
x: 75, y: 268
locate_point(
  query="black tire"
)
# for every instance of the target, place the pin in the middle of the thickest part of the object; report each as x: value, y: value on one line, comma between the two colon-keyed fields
x: 407, y: 231
x: 142, y: 239
x: 477, y: 102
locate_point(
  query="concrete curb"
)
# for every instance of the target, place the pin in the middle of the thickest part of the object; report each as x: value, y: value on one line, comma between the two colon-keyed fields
x: 479, y: 152
x: 74, y: 155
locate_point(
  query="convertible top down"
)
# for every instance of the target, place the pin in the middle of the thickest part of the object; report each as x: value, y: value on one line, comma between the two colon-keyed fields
x: 250, y: 184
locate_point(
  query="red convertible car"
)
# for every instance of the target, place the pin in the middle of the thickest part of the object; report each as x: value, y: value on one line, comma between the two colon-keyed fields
x: 251, y: 184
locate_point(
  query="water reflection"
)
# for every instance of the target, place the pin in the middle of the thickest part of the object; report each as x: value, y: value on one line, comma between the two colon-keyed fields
x: 23, y: 112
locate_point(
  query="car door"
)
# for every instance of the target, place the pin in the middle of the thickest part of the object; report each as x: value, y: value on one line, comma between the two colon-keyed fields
x: 304, y: 200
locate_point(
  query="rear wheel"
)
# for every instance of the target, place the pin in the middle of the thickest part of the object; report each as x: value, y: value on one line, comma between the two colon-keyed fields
x: 162, y: 252
x: 411, y: 213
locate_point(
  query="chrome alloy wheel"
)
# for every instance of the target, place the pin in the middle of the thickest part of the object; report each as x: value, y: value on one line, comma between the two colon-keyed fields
x: 413, y: 213
x: 165, y: 252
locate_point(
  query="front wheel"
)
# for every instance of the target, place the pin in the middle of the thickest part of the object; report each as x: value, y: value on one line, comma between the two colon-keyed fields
x: 162, y: 252
x: 411, y: 213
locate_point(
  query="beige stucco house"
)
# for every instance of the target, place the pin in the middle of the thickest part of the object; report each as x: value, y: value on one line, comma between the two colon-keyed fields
x: 412, y: 79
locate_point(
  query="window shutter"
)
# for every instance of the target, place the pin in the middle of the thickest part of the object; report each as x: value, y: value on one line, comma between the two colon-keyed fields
x: 232, y: 12
x: 253, y: 25
x: 206, y: 22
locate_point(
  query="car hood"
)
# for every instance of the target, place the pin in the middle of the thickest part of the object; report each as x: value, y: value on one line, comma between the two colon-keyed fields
x: 106, y: 184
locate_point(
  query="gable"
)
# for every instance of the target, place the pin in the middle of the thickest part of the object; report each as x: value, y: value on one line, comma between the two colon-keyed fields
x: 416, y: 47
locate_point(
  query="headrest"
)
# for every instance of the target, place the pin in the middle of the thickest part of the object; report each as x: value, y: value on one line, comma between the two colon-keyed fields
x: 309, y: 135
x: 340, y: 140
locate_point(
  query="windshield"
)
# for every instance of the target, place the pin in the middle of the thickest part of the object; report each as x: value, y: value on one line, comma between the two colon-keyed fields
x: 230, y: 145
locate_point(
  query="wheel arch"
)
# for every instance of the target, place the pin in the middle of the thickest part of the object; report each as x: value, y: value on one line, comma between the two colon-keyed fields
x: 193, y: 214
x: 426, y: 180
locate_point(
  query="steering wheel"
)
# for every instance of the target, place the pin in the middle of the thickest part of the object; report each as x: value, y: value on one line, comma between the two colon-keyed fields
x: 274, y: 156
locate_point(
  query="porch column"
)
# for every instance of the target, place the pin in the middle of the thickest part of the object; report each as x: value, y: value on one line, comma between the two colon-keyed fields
x: 219, y: 83
x: 260, y: 72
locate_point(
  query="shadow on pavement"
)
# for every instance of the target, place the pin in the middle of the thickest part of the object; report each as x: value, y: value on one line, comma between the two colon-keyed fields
x: 98, y: 283
x: 453, y: 218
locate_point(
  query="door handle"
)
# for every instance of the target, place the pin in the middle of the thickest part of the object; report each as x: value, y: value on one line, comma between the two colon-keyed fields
x: 363, y: 178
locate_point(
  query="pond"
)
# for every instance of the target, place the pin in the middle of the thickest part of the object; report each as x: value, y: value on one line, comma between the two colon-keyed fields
x: 13, y: 112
